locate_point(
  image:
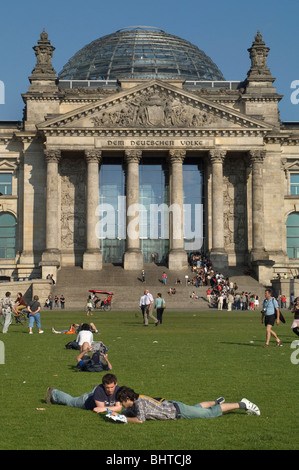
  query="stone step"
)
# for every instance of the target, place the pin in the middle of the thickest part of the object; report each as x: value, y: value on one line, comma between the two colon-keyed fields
x: 74, y: 284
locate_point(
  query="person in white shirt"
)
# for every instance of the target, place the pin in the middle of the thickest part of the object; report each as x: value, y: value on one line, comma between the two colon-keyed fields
x: 145, y: 305
x: 85, y: 338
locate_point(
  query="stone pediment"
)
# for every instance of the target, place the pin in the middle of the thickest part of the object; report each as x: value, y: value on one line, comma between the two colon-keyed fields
x: 154, y: 105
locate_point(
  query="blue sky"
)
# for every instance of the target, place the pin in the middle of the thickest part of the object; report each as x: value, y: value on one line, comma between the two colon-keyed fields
x: 224, y: 30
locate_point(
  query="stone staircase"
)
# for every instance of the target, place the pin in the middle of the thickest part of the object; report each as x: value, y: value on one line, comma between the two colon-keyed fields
x: 74, y: 284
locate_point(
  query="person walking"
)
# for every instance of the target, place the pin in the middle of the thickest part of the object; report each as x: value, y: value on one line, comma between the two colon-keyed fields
x: 34, y: 315
x: 145, y: 305
x: 7, y: 308
x: 160, y: 306
x: 270, y: 313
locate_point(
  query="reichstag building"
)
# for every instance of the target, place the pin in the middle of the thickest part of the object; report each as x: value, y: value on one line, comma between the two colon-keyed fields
x: 140, y: 149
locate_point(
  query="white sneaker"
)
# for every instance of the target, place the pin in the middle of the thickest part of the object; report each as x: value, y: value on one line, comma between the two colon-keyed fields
x: 31, y: 332
x: 40, y: 332
x: 251, y: 408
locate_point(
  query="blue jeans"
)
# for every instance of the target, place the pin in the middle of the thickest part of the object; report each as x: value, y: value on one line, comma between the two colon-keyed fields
x: 34, y: 318
x: 196, y: 411
x: 62, y: 398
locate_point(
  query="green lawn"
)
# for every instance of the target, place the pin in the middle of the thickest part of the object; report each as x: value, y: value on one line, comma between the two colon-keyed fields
x: 192, y: 357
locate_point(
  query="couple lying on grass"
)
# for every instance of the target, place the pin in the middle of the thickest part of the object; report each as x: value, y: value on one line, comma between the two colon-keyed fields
x: 139, y: 408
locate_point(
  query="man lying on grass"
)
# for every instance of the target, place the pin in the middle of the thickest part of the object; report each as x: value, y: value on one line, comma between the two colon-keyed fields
x: 102, y: 396
x: 140, y: 408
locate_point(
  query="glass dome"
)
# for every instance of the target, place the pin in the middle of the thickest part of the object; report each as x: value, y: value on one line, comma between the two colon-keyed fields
x: 140, y: 52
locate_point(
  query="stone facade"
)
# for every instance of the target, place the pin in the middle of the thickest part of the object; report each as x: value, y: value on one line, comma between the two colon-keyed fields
x: 55, y: 154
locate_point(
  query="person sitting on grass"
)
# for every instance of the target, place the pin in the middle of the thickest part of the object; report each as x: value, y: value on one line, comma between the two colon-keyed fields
x: 140, y: 408
x: 101, y: 397
x: 85, y: 337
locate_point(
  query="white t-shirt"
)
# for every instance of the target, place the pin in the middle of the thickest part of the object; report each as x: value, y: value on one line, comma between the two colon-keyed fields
x: 84, y: 336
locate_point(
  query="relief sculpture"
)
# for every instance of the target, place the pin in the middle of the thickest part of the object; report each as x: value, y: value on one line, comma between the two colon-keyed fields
x: 73, y: 217
x: 153, y: 109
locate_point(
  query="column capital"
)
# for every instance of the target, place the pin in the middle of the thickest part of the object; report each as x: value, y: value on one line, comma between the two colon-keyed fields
x: 257, y: 156
x: 93, y: 155
x: 176, y: 156
x: 217, y: 155
x: 133, y: 156
x: 52, y: 155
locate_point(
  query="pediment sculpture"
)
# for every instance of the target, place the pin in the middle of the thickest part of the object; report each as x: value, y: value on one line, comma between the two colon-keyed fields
x: 154, y: 109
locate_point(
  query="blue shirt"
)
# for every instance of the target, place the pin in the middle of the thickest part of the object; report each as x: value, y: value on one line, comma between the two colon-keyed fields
x: 270, y: 306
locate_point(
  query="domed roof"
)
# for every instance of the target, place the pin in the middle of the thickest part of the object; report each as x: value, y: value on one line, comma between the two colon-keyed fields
x: 140, y: 52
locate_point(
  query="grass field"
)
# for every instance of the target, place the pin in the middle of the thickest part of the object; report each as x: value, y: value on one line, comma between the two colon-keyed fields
x: 191, y: 357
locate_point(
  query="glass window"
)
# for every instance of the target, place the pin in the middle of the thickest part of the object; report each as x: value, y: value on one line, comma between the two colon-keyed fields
x: 7, y: 236
x: 294, y: 180
x: 293, y: 235
x: 154, y: 213
x: 5, y: 184
x: 112, y: 212
x: 193, y: 205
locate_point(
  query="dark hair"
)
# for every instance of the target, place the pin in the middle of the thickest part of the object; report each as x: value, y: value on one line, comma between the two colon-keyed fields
x: 109, y: 379
x: 125, y: 392
x: 7, y: 294
x: 268, y: 289
x: 85, y: 326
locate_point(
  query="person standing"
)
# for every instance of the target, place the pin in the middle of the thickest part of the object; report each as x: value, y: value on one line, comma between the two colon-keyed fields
x: 164, y: 278
x: 230, y: 301
x: 220, y: 301
x: 62, y: 302
x: 7, y: 309
x: 145, y: 305
x: 143, y: 276
x: 270, y: 313
x: 295, y: 310
x: 50, y: 298
x: 34, y: 315
x: 89, y: 306
x: 159, y: 305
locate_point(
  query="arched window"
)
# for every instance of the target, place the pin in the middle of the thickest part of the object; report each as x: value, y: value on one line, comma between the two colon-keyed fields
x: 7, y: 236
x: 293, y: 235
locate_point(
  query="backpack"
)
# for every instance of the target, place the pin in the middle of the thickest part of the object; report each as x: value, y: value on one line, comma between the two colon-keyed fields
x: 91, y: 366
x: 281, y: 317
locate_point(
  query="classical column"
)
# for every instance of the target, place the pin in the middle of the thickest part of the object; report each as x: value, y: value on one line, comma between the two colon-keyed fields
x: 92, y: 258
x: 51, y: 256
x: 218, y: 253
x: 258, y: 250
x: 133, y: 256
x: 177, y: 257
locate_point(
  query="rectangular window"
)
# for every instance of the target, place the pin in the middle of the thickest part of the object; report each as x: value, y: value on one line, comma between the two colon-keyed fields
x: 294, y: 181
x: 5, y: 184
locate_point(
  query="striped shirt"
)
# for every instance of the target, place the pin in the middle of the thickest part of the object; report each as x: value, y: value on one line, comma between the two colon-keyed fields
x: 146, y: 408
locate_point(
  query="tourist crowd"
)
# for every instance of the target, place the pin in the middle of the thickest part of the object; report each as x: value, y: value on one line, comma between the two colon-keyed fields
x: 221, y: 291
